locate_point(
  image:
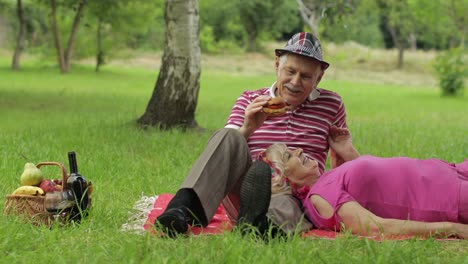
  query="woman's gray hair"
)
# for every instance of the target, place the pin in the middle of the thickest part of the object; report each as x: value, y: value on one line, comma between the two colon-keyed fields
x: 275, y: 154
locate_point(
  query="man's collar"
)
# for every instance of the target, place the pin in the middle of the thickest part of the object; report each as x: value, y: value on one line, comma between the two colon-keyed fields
x: 314, y: 94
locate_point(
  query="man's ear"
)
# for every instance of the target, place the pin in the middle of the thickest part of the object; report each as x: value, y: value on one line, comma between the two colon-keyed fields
x: 320, y: 77
x: 277, y: 65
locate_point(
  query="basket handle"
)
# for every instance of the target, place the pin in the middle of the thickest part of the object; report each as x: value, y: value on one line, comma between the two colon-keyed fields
x: 62, y: 168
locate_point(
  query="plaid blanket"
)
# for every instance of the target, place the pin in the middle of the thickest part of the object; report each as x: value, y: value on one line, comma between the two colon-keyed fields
x: 147, y: 209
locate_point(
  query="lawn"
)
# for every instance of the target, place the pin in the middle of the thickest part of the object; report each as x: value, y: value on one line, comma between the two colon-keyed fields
x: 44, y: 114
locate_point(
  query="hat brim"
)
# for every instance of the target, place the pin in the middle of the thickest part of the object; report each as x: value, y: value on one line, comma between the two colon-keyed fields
x: 279, y: 52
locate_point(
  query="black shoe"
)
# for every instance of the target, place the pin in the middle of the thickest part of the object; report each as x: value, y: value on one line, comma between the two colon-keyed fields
x: 173, y: 222
x: 255, y: 195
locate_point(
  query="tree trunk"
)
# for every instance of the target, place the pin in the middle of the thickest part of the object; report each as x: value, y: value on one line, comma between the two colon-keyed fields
x: 311, y: 13
x: 398, y: 41
x: 413, y: 41
x: 100, y: 52
x: 401, y: 50
x: 15, y: 64
x: 175, y: 95
x: 74, y: 30
x: 56, y: 33
x: 252, y: 36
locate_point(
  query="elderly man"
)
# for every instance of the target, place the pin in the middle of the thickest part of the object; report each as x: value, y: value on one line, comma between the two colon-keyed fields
x: 217, y: 175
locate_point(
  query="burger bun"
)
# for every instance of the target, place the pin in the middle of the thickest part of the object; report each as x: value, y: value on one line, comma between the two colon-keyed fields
x: 276, y: 106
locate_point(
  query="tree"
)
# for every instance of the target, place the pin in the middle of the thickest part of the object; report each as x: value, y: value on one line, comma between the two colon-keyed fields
x: 439, y: 24
x: 239, y: 23
x: 313, y: 11
x: 361, y: 26
x: 128, y: 17
x: 427, y: 19
x: 64, y: 56
x: 398, y: 19
x: 257, y: 16
x: 15, y: 65
x: 175, y: 95
x: 220, y: 26
x: 457, y: 11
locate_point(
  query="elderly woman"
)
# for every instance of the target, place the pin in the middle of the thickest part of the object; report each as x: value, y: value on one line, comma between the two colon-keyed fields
x: 371, y: 195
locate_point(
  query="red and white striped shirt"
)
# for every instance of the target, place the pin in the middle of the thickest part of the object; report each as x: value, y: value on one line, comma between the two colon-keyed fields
x: 306, y: 127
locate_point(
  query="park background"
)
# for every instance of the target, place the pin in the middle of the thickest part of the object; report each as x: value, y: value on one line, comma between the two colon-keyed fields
x: 395, y: 107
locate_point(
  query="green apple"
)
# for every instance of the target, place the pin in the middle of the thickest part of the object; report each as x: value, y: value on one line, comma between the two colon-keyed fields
x: 31, y: 175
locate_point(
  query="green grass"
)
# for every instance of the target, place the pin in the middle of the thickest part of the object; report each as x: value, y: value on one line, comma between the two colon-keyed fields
x: 43, y: 115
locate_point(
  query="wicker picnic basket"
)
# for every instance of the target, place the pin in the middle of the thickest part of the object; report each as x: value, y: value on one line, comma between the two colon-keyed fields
x: 32, y: 208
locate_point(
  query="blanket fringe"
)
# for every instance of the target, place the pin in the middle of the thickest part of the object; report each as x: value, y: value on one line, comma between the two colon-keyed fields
x: 139, y: 215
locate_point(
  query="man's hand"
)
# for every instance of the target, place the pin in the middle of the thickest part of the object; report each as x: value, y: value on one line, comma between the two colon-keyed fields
x: 254, y: 116
x: 339, y: 136
x: 341, y: 146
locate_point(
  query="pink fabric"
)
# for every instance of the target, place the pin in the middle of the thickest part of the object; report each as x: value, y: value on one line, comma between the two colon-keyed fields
x: 462, y: 168
x: 306, y: 127
x: 401, y: 188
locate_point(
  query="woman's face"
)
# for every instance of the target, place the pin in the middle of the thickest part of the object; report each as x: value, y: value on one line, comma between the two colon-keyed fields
x: 299, y: 169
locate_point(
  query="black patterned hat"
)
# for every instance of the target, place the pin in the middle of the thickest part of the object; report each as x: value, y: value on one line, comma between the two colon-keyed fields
x: 304, y: 44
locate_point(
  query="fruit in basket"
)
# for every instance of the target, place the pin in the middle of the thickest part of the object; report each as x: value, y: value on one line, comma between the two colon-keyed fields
x: 31, y: 176
x: 29, y: 190
x: 48, y: 186
x: 57, y: 181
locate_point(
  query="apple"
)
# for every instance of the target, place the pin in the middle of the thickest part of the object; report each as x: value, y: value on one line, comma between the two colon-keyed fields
x: 48, y: 186
x: 57, y: 181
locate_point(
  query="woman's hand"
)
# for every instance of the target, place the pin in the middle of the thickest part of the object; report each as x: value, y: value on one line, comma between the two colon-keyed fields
x: 461, y: 230
x: 254, y: 116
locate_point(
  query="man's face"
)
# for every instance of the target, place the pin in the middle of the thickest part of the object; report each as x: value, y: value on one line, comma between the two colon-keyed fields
x: 297, y: 77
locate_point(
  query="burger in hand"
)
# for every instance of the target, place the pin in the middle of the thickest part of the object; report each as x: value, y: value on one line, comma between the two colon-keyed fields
x: 276, y: 106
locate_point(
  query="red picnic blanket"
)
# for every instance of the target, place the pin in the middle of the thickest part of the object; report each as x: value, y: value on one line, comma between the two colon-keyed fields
x: 221, y: 223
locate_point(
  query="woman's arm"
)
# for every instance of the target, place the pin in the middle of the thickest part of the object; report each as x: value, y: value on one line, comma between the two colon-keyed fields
x: 361, y: 221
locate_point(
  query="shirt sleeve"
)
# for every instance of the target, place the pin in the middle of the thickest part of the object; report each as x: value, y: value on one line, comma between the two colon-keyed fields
x: 332, y: 223
x: 340, y: 117
x: 236, y: 117
x: 331, y: 190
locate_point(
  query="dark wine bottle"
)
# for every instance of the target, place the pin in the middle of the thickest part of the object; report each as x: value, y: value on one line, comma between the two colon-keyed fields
x: 78, y: 185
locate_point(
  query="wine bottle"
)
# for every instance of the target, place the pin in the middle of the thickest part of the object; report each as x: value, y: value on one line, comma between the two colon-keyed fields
x: 78, y: 185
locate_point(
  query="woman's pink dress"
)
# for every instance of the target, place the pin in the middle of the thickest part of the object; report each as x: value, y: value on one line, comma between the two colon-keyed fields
x: 400, y: 188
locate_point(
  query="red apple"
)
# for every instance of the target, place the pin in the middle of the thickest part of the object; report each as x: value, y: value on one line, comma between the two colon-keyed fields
x: 58, y: 181
x: 48, y: 186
